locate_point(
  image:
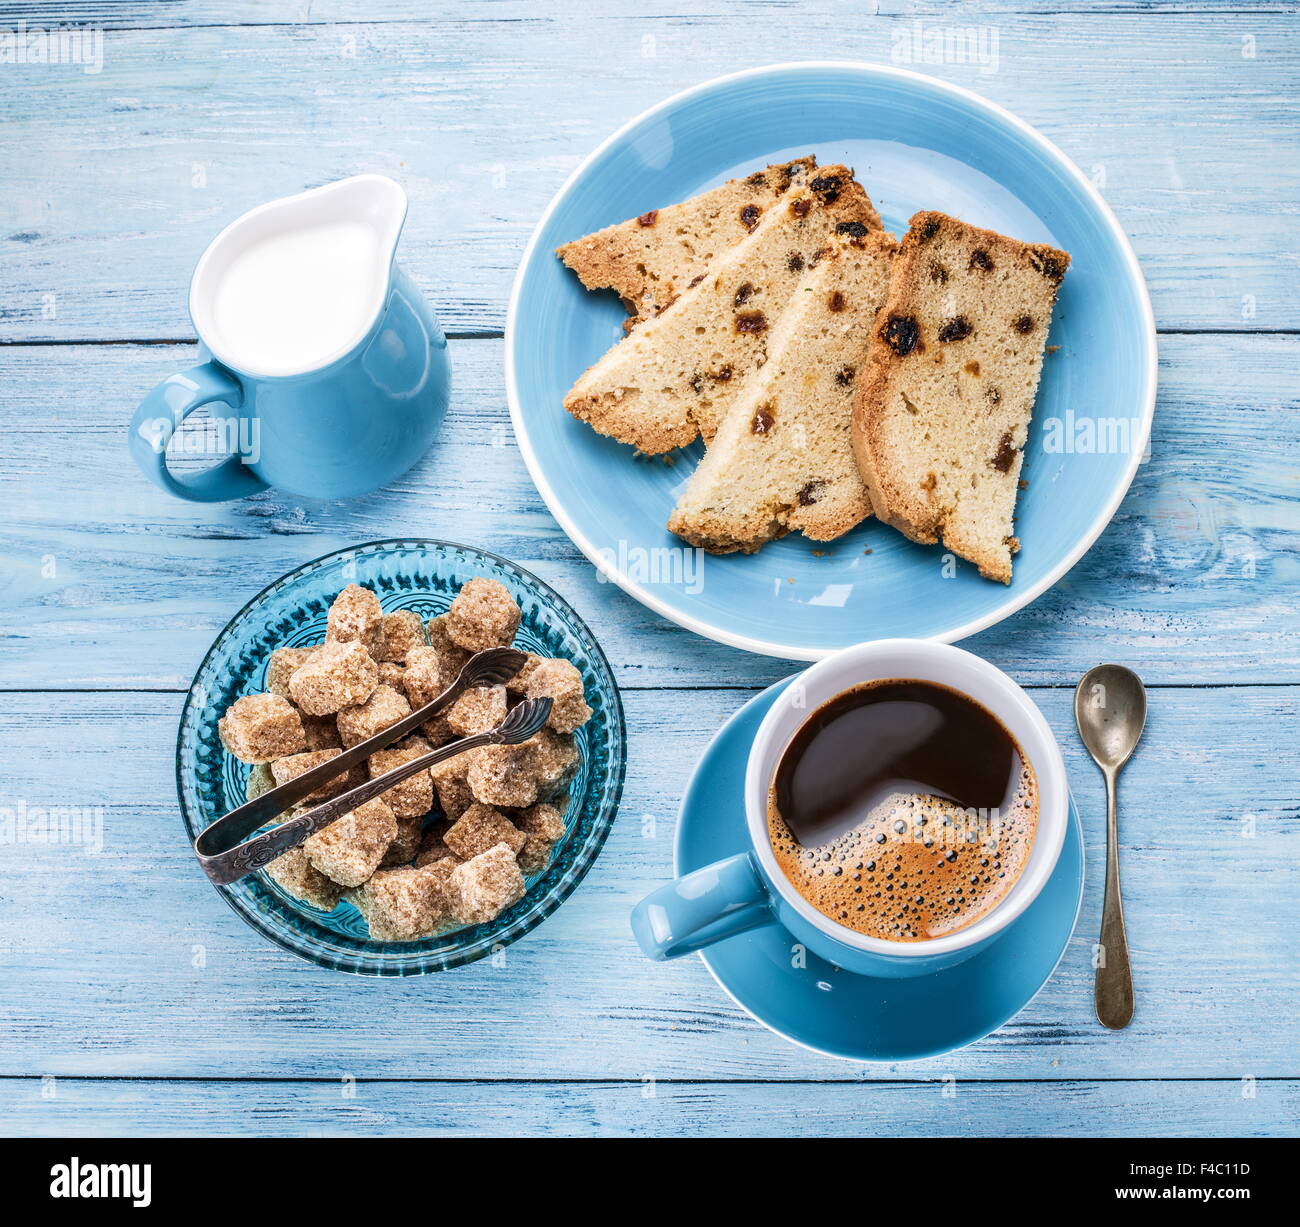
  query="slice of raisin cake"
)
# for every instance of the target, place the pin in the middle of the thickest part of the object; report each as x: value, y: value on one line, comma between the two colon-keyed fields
x: 649, y: 260
x: 782, y: 460
x: 943, y: 413
x: 676, y: 375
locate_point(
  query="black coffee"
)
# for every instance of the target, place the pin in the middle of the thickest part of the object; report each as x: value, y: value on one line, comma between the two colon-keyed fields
x: 903, y: 809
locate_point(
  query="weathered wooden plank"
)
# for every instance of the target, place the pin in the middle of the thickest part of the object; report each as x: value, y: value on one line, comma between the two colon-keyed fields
x: 72, y: 1107
x: 1194, y: 580
x: 154, y: 14
x: 483, y: 119
x: 107, y: 584
x: 125, y: 963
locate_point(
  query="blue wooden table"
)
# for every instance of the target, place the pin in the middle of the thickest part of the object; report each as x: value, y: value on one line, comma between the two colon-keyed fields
x: 133, y: 1000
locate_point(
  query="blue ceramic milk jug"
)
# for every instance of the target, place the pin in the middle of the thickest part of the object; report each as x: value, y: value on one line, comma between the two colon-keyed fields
x: 324, y: 370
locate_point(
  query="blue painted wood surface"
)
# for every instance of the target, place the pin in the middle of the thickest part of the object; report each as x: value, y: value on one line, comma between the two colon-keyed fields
x: 130, y: 996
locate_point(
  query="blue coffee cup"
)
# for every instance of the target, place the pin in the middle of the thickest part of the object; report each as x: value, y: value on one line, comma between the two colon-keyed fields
x: 330, y: 397
x: 748, y: 890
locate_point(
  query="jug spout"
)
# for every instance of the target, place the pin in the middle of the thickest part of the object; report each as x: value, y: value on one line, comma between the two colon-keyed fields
x: 377, y: 200
x: 296, y: 284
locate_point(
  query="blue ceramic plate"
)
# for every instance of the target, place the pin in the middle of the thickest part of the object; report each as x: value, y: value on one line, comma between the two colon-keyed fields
x: 423, y: 576
x: 915, y: 143
x: 856, y: 1017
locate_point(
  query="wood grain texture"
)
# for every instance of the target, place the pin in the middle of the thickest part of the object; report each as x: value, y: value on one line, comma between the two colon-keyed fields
x: 135, y: 938
x: 133, y: 1001
x: 1193, y: 581
x: 337, y: 1108
x: 169, y: 14
x: 116, y: 180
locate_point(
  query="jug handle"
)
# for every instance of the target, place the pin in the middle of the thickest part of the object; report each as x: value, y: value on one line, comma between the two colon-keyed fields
x: 159, y: 417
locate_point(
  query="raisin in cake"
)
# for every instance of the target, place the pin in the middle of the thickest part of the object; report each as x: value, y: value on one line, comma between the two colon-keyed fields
x: 676, y: 375
x: 943, y: 414
x: 649, y: 260
x: 783, y: 458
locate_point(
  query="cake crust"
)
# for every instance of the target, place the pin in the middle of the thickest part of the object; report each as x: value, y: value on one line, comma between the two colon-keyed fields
x: 941, y: 420
x: 648, y: 260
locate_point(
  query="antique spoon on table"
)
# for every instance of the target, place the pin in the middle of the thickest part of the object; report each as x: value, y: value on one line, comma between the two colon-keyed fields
x: 1110, y: 708
x: 226, y: 858
x: 225, y: 864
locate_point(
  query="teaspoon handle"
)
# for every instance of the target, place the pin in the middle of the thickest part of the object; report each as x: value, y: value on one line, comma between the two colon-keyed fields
x: 1113, y: 990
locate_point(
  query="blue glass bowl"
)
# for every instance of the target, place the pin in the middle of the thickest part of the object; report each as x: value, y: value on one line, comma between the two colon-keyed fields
x: 423, y: 576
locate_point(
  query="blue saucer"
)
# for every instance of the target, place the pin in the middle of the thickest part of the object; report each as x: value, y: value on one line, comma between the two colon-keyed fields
x: 857, y: 1017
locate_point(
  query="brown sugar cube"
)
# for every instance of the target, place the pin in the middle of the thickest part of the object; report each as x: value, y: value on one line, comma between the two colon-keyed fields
x: 413, y: 797
x: 406, y: 843
x: 392, y: 675
x: 518, y: 685
x: 479, y: 828
x: 356, y: 617
x: 284, y: 663
x: 476, y: 711
x: 402, y: 631
x: 433, y: 847
x: 452, y: 655
x: 484, y: 887
x: 402, y: 905
x: 440, y: 880
x: 440, y: 883
x: 543, y: 828
x: 437, y: 732
x: 297, y: 876
x: 423, y: 676
x: 260, y: 781
x: 553, y: 759
x: 290, y: 768
x: 542, y: 821
x: 483, y: 615
x: 503, y: 775
x: 535, y: 855
x: 349, y: 850
x: 384, y: 707
x: 261, y: 727
x: 338, y: 675
x: 451, y: 785
x: 560, y: 681
x: 444, y: 865
x: 321, y: 733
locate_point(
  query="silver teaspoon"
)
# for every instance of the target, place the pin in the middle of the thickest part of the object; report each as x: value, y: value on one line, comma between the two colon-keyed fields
x: 1110, y: 708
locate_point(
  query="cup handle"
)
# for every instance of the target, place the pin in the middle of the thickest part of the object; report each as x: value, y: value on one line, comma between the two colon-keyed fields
x: 720, y: 900
x: 160, y: 415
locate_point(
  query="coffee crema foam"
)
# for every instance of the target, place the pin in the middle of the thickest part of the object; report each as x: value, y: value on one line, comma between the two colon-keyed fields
x: 917, y: 867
